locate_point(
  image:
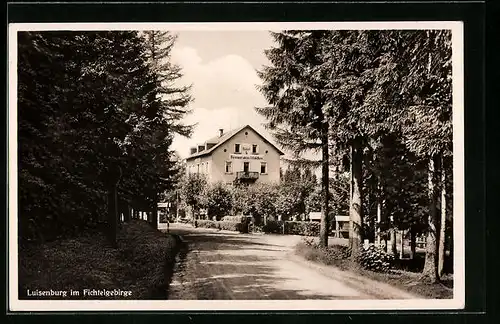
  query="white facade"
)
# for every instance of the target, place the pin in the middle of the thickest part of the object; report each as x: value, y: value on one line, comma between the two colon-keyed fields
x: 241, y: 155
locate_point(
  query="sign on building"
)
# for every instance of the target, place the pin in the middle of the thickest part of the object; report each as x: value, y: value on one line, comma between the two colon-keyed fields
x: 246, y: 157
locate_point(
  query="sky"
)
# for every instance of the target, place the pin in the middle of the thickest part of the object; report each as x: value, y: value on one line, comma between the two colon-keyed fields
x: 221, y: 66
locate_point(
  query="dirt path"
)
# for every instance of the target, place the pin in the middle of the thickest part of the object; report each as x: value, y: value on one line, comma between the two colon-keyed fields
x: 221, y: 265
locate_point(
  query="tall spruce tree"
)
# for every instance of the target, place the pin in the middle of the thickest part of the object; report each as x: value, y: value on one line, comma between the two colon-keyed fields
x: 95, y: 84
x: 426, y: 61
x: 353, y: 64
x: 296, y: 112
x: 170, y: 105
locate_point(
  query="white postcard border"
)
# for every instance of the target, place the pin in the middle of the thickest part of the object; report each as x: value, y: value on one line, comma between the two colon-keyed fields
x: 458, y: 301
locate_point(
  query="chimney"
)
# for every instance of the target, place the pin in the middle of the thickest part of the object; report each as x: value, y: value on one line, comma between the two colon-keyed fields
x: 221, y: 132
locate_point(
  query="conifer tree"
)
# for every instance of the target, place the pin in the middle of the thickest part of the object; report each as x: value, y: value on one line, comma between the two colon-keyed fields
x: 427, y: 62
x: 295, y: 114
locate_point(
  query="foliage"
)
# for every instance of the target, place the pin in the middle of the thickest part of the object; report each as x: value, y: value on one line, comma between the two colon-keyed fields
x: 88, y: 107
x: 193, y: 190
x: 141, y: 264
x: 331, y: 255
x: 241, y: 226
x: 375, y: 258
x: 302, y: 228
x: 274, y: 227
x: 295, y: 114
x: 218, y: 200
x: 172, y: 98
x: 258, y: 200
x: 234, y: 218
x: 292, y: 228
x: 233, y: 226
x: 206, y: 223
x: 294, y: 193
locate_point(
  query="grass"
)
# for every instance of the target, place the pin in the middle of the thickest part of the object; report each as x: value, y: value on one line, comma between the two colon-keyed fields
x: 405, y: 280
x: 140, y: 268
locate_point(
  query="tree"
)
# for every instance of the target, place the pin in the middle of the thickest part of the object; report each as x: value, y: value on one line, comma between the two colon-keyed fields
x: 173, y: 99
x: 193, y: 190
x: 425, y: 60
x: 97, y: 80
x: 258, y: 200
x: 219, y: 200
x: 164, y: 117
x: 295, y: 114
x: 352, y: 65
x: 99, y: 116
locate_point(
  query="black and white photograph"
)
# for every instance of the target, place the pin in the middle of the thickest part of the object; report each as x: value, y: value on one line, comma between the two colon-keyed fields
x: 236, y: 166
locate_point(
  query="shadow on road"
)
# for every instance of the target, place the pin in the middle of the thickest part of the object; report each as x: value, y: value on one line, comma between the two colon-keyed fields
x: 220, y: 265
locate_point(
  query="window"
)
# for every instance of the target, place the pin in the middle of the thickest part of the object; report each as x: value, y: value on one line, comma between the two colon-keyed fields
x: 236, y: 148
x: 263, y: 167
x: 246, y: 166
x: 229, y: 167
x: 254, y: 148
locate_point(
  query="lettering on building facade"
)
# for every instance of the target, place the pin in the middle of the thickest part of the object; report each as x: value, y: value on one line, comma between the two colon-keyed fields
x: 246, y: 157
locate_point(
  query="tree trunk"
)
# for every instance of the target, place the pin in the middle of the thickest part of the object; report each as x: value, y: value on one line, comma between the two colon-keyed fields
x: 442, y: 232
x: 413, y: 242
x: 177, y: 207
x: 112, y: 215
x: 128, y: 211
x: 325, y: 190
x: 378, y: 238
x: 401, y: 245
x: 379, y: 215
x: 356, y: 206
x: 430, y: 271
x: 154, y: 215
x: 393, y: 250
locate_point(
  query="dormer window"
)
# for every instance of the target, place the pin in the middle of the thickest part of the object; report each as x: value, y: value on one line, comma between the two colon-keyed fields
x: 237, y: 148
x: 255, y: 149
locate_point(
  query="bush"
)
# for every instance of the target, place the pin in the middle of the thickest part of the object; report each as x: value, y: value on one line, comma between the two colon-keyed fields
x: 228, y: 226
x: 302, y: 228
x: 375, y: 259
x: 238, y: 218
x: 292, y: 228
x: 206, y: 223
x: 332, y: 255
x: 275, y: 227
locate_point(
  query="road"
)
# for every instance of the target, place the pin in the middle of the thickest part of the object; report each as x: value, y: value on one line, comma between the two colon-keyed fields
x: 222, y: 265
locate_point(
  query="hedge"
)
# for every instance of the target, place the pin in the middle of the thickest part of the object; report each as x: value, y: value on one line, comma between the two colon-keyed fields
x: 224, y: 225
x: 292, y: 228
x: 271, y: 227
x: 238, y: 219
x: 206, y: 223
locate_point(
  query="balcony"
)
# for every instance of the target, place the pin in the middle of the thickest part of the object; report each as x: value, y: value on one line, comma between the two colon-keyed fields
x: 247, y: 176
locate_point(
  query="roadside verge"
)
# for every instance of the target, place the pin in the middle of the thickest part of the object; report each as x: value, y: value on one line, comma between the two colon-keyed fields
x: 86, y: 267
x: 378, y: 290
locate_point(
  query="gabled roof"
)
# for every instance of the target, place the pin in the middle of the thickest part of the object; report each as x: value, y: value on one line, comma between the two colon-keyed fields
x: 219, y: 140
